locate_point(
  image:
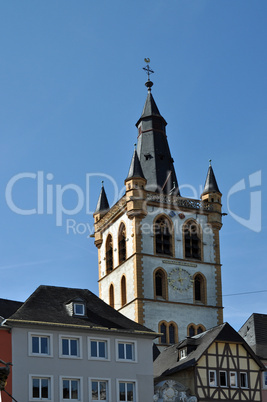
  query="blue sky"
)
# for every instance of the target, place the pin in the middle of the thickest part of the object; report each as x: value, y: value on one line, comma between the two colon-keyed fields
x: 72, y: 89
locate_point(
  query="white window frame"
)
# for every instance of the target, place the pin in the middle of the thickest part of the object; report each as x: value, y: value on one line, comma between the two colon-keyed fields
x: 95, y: 339
x: 235, y: 376
x: 80, y: 387
x: 97, y: 379
x: 225, y: 376
x: 78, y: 304
x: 40, y: 335
x: 127, y: 381
x: 50, y: 386
x: 70, y: 337
x: 125, y: 342
x: 264, y: 378
x: 183, y: 354
x: 246, y: 377
x: 215, y: 378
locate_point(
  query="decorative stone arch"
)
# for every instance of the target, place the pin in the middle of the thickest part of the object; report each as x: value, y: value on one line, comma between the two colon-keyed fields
x: 111, y: 295
x: 200, y: 288
x: 109, y: 254
x: 160, y: 283
x: 200, y: 328
x: 193, y: 329
x: 192, y: 240
x: 123, y: 291
x: 122, y: 249
x: 163, y: 235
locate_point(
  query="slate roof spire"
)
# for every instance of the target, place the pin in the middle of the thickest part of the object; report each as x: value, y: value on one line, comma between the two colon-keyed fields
x: 102, y: 203
x: 153, y: 149
x: 135, y: 167
x: 211, y: 185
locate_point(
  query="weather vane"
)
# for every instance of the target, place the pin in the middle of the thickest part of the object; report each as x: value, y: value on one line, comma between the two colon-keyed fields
x: 148, y: 69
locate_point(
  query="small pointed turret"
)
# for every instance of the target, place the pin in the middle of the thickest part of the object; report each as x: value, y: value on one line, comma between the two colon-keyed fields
x: 135, y: 168
x: 102, y: 203
x: 211, y: 185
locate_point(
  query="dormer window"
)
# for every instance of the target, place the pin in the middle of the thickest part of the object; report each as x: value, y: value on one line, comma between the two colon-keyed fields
x: 78, y: 309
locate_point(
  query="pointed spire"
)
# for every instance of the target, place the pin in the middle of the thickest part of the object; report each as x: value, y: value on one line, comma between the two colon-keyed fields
x: 102, y: 204
x: 211, y: 185
x: 135, y: 167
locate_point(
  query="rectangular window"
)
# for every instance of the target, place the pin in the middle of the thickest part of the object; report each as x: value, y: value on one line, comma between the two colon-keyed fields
x: 212, y: 378
x: 79, y: 309
x: 99, y: 390
x: 223, y: 379
x: 126, y: 351
x: 40, y: 388
x: 126, y: 391
x: 233, y: 379
x: 243, y: 380
x: 98, y: 348
x: 71, y: 389
x: 70, y: 347
x: 40, y: 344
x: 264, y: 379
x: 182, y: 353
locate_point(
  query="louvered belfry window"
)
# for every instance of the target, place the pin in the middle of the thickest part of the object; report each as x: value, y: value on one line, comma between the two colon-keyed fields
x: 163, y: 236
x: 122, y: 243
x: 192, y: 241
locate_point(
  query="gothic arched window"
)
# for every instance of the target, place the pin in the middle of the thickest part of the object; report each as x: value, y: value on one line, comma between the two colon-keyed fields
x: 122, y: 243
x: 169, y: 331
x: 199, y: 288
x: 111, y: 296
x: 192, y: 241
x: 191, y: 330
x: 123, y: 290
x: 109, y: 254
x: 163, y: 330
x: 160, y: 288
x: 171, y: 334
x: 163, y: 236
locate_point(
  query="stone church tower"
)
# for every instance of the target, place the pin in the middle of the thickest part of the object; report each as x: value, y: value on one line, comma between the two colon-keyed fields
x: 159, y: 253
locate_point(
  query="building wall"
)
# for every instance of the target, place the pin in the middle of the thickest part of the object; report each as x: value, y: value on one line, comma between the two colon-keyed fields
x: 139, y: 372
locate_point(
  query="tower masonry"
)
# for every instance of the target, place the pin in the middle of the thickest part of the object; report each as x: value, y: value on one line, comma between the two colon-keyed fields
x: 158, y: 252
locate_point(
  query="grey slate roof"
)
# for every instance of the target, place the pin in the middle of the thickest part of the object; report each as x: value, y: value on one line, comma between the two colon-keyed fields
x: 102, y: 203
x: 48, y: 306
x: 135, y: 167
x: 167, y: 363
x: 211, y: 185
x: 153, y: 150
x: 8, y: 307
x: 254, y: 331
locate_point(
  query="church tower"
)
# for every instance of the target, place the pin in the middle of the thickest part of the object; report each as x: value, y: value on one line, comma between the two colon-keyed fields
x: 158, y: 252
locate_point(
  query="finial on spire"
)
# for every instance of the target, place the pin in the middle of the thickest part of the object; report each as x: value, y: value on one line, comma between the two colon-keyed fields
x: 210, y: 161
x: 135, y: 146
x: 148, y: 70
x: 102, y: 182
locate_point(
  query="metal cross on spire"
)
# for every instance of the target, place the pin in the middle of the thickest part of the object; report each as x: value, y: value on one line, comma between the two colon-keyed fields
x: 148, y: 70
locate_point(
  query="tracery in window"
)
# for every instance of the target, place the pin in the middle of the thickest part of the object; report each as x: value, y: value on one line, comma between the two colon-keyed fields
x: 122, y: 243
x: 192, y: 240
x: 109, y: 254
x: 163, y: 236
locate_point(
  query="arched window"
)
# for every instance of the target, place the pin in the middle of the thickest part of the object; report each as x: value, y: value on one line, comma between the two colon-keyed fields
x: 123, y: 290
x: 191, y: 330
x: 109, y: 254
x: 160, y: 289
x: 192, y: 242
x: 199, y: 289
x: 171, y: 334
x: 163, y: 330
x: 200, y: 329
x: 169, y: 331
x: 111, y: 296
x: 122, y: 243
x: 163, y: 236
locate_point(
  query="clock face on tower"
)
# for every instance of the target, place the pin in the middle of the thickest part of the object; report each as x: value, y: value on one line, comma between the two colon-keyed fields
x: 179, y: 279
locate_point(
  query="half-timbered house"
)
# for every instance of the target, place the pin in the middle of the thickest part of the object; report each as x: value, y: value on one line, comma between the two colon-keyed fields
x: 214, y: 365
